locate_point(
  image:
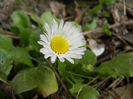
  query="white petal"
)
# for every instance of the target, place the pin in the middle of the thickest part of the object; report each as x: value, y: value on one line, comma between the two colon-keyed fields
x: 43, y: 38
x: 47, y: 28
x: 77, y: 56
x: 78, y: 49
x: 61, y: 58
x: 47, y: 56
x: 61, y: 25
x: 53, y: 58
x: 70, y: 60
x: 44, y: 44
x: 67, y: 27
x: 44, y: 50
x: 54, y: 26
x: 40, y: 42
x: 75, y: 52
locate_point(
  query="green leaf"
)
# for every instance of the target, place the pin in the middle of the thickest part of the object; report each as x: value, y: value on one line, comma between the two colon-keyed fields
x: 75, y: 88
x: 5, y: 42
x: 5, y: 58
x: 49, y: 84
x: 20, y: 19
x: 83, y: 4
x: 24, y: 35
x: 85, y: 93
x: 66, y: 70
x: 3, y: 76
x: 88, y: 58
x: 119, y: 66
x: 21, y: 55
x: 105, y: 28
x: 74, y: 23
x: 96, y: 9
x: 89, y: 92
x: 34, y: 37
x: 47, y: 17
x: 91, y: 26
x: 87, y: 68
x: 5, y: 63
x: 107, y: 14
x: 61, y: 69
x: 34, y: 18
x: 15, y: 30
x: 102, y: 1
x: 107, y: 2
x: 83, y: 66
x: 27, y: 80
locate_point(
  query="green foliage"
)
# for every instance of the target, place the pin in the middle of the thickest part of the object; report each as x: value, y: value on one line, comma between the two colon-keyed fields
x: 34, y: 37
x: 119, y: 66
x: 87, y: 68
x: 21, y: 55
x: 105, y: 28
x: 3, y: 76
x: 20, y: 19
x: 24, y: 35
x: 83, y: 92
x: 27, y: 80
x: 90, y: 92
x: 31, y: 78
x: 5, y: 58
x: 91, y: 12
x: 61, y: 69
x: 81, y: 65
x: 34, y: 18
x: 49, y: 84
x: 47, y: 17
x: 19, y: 3
x: 5, y: 42
x: 88, y: 58
x: 107, y: 14
x: 107, y: 2
x: 75, y: 88
x: 17, y: 54
x: 76, y: 24
x: 74, y: 73
x: 28, y: 35
x: 96, y: 9
x: 91, y: 26
x: 5, y: 62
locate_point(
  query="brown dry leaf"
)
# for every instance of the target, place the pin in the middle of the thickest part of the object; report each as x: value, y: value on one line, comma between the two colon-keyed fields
x: 125, y: 92
x: 58, y: 9
x: 6, y: 8
x: 116, y: 15
x: 78, y: 13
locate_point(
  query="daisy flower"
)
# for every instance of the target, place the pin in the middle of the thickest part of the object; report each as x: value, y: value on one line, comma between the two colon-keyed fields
x: 63, y: 41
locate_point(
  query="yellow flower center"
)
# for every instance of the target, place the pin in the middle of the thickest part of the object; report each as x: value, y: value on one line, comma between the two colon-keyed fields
x: 59, y: 45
